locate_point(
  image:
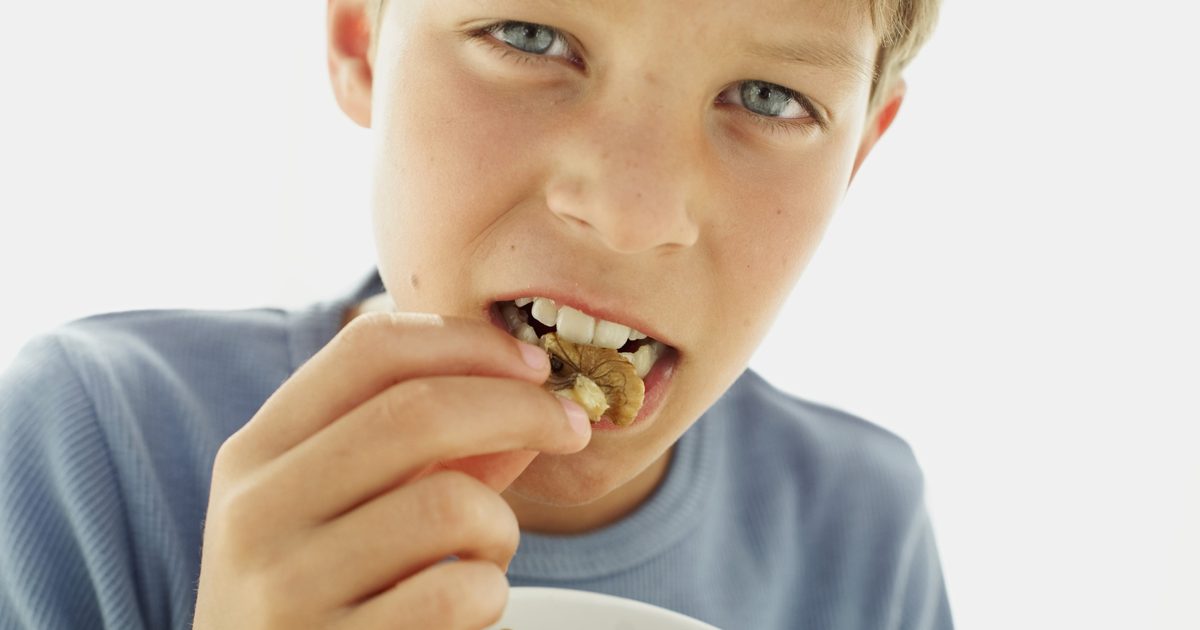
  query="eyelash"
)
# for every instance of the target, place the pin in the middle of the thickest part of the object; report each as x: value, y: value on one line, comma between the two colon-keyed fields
x: 767, y: 123
x: 789, y: 125
x: 516, y: 55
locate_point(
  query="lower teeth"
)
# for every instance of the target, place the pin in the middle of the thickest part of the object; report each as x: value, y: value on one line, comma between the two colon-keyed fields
x: 525, y: 333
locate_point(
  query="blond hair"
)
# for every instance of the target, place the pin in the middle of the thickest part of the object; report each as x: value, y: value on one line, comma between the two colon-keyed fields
x: 901, y: 26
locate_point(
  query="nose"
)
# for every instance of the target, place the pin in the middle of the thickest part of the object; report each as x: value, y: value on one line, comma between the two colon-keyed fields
x: 627, y: 179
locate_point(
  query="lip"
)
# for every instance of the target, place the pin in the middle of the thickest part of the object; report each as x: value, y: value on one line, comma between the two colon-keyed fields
x: 589, y: 305
x: 657, y: 381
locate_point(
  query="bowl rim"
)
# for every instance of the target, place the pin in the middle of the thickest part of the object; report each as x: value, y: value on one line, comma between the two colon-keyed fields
x: 571, y: 594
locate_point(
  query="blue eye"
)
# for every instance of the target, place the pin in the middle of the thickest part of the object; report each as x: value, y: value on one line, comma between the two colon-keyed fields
x: 768, y: 99
x: 533, y: 39
x: 776, y: 107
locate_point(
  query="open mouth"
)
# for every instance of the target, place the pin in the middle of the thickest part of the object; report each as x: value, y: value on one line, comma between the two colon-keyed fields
x: 531, y: 319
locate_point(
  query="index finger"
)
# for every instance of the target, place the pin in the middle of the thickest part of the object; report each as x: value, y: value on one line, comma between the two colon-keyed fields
x: 372, y: 353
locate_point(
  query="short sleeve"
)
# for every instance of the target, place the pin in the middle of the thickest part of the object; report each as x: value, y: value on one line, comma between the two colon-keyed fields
x: 65, y: 552
x: 923, y: 604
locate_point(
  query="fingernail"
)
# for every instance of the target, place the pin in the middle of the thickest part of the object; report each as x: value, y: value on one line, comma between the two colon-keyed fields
x: 534, y: 356
x: 576, y: 416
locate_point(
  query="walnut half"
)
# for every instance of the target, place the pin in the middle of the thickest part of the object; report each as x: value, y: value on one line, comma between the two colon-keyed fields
x: 580, y: 372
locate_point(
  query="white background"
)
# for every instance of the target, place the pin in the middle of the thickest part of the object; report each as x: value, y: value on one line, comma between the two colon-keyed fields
x: 1011, y: 285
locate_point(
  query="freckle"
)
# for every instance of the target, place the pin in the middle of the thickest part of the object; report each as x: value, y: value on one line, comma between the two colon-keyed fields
x: 412, y: 280
x: 512, y: 248
x: 778, y: 212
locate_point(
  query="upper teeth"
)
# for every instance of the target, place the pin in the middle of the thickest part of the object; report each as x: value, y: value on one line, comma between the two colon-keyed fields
x: 578, y: 327
x: 610, y: 335
x: 545, y: 311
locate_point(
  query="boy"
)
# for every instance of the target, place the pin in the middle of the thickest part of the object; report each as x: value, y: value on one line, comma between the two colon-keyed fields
x: 660, y: 168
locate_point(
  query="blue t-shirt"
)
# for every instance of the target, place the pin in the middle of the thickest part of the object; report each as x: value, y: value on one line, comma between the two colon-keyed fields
x: 774, y: 513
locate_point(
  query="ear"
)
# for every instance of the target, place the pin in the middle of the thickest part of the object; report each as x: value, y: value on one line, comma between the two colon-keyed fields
x: 878, y: 122
x: 349, y: 58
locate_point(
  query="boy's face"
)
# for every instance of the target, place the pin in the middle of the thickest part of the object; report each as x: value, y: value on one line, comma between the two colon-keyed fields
x: 625, y: 166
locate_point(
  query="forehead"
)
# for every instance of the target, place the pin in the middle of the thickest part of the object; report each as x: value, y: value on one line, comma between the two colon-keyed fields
x: 847, y: 15
x: 834, y: 34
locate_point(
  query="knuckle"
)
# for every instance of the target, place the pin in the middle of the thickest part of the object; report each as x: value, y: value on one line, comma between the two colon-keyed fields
x: 489, y: 591
x: 238, y: 515
x: 408, y: 413
x: 510, y: 529
x: 243, y: 522
x: 415, y: 405
x: 365, y: 330
x: 445, y: 599
x: 499, y: 526
x: 228, y: 455
x: 369, y: 327
x: 469, y: 593
x: 458, y: 505
x: 444, y: 502
x: 411, y: 399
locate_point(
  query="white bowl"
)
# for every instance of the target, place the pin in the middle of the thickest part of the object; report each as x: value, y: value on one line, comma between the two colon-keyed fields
x: 538, y: 608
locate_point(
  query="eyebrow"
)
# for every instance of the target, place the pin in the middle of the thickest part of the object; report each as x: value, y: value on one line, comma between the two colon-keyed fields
x: 575, y: 4
x: 830, y: 56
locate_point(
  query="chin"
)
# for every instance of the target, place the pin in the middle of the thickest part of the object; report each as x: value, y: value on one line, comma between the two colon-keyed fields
x: 564, y: 481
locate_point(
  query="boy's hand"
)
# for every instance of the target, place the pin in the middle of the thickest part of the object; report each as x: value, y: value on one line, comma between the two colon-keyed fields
x: 382, y: 455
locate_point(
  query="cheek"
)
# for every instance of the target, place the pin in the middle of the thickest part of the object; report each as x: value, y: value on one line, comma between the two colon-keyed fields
x: 798, y: 208
x: 775, y: 217
x: 446, y: 149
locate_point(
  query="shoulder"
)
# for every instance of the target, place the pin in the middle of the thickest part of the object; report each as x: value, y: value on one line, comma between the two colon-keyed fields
x: 832, y: 456
x: 168, y: 337
x: 108, y: 427
x: 153, y: 372
x: 824, y: 497
x: 201, y: 349
x: 793, y: 422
